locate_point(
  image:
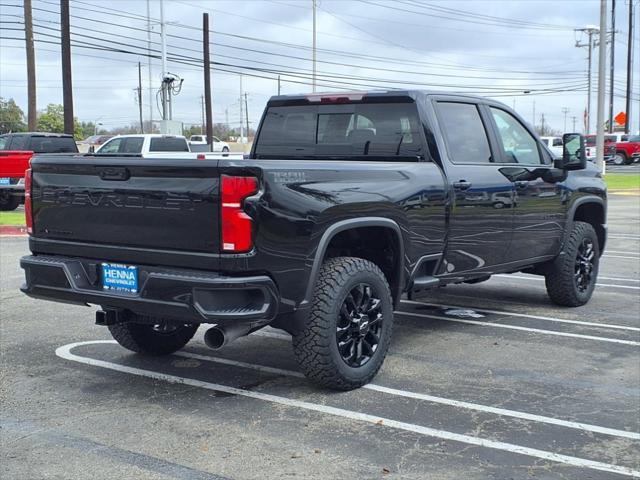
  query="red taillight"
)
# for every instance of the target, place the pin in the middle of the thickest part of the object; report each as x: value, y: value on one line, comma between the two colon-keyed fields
x: 237, y: 226
x: 27, y: 201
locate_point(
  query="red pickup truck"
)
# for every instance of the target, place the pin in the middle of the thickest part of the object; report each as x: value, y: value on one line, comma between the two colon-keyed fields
x: 628, y: 152
x: 16, y: 149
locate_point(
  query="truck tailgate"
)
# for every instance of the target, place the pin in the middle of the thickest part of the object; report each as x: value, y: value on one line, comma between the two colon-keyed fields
x: 13, y: 163
x: 169, y: 204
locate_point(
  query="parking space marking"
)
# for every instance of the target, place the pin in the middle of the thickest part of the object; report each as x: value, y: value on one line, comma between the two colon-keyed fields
x: 526, y: 315
x: 65, y: 352
x: 626, y: 257
x: 428, y: 398
x: 621, y: 252
x: 541, y: 279
x: 524, y: 329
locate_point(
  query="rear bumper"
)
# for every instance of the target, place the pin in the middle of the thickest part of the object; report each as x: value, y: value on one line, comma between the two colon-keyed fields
x: 194, y: 296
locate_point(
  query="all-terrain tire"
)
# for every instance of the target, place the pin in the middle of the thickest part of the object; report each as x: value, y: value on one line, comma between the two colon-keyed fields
x: 161, y: 338
x: 561, y: 281
x: 316, y: 346
x: 9, y: 202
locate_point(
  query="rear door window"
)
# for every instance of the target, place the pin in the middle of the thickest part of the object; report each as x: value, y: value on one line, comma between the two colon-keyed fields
x: 18, y: 142
x: 4, y: 143
x: 557, y: 142
x: 464, y: 132
x: 343, y: 131
x: 168, y: 144
x: 132, y: 145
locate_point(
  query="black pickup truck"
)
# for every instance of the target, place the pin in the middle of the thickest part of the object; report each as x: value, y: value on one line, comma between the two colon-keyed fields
x: 346, y: 202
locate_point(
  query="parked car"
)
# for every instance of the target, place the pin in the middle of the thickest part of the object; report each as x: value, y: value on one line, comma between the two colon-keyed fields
x: 629, y: 151
x: 198, y: 143
x: 554, y: 144
x: 346, y: 202
x: 609, y: 148
x: 144, y: 144
x: 16, y: 149
x: 91, y: 143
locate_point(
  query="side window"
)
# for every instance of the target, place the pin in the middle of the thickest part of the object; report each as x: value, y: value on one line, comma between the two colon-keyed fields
x: 557, y: 142
x: 518, y: 144
x: 464, y: 132
x: 4, y: 143
x: 132, y: 145
x: 19, y: 142
x: 112, y: 146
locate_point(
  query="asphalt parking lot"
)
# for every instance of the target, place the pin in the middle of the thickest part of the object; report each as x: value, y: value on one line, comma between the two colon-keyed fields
x: 487, y: 381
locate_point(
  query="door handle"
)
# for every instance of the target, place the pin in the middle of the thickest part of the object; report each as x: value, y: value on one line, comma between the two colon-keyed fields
x: 522, y: 183
x: 462, y: 185
x: 114, y: 173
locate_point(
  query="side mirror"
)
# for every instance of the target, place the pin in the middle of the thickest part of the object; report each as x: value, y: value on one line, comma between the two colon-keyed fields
x: 574, y: 156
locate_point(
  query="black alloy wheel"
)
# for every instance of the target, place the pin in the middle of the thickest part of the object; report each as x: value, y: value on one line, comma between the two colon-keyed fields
x: 584, y: 265
x: 359, y: 325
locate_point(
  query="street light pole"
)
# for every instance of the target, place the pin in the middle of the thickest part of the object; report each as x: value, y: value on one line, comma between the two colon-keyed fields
x: 602, y: 58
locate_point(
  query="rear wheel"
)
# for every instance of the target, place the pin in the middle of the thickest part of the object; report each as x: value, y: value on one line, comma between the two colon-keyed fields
x: 8, y: 202
x: 572, y: 278
x: 347, y: 335
x: 161, y: 338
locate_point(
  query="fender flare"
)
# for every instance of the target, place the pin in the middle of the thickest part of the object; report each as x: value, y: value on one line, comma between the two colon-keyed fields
x: 572, y: 212
x: 349, y: 224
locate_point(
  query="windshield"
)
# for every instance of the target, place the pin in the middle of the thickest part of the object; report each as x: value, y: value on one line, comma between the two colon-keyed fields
x: 346, y: 130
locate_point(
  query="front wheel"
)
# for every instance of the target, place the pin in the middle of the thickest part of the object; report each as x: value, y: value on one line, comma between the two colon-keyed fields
x: 161, y: 338
x: 347, y: 335
x: 573, y: 275
x: 620, y: 159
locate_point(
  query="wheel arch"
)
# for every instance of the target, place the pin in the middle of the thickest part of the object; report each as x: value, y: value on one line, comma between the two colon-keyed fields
x: 591, y: 210
x: 358, y: 226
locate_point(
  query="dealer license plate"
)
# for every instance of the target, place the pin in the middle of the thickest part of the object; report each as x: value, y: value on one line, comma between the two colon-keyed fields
x: 5, y: 181
x: 116, y: 276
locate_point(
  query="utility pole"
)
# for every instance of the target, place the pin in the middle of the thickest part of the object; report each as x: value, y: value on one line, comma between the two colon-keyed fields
x: 226, y: 117
x: 565, y: 110
x: 602, y: 59
x: 165, y: 85
x: 246, y: 113
x: 612, y: 62
x: 590, y: 31
x: 573, y: 119
x: 314, y: 47
x: 278, y: 84
x: 627, y: 123
x: 149, y: 73
x: 140, y: 96
x: 207, y: 79
x: 31, y: 67
x: 67, y: 88
x: 202, y: 107
x: 542, y: 124
x: 241, y: 113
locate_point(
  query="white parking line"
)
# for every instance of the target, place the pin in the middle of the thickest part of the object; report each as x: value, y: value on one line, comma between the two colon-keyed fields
x: 65, y: 353
x: 525, y: 315
x: 428, y: 398
x: 621, y: 252
x: 541, y: 279
x: 524, y: 329
x: 626, y: 257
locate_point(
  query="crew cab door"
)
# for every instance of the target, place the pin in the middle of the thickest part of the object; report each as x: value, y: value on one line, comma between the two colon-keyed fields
x: 539, y: 213
x: 481, y: 210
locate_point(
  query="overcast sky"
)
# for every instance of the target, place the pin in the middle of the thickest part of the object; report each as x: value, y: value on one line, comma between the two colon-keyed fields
x: 495, y: 48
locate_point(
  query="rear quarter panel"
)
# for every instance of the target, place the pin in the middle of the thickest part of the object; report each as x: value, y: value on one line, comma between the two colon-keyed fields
x: 300, y: 200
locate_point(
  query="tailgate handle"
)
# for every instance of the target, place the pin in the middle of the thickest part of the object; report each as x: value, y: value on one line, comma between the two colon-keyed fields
x: 117, y: 174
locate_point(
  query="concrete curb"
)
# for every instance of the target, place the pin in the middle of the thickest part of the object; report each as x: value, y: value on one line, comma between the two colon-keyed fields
x: 13, y: 230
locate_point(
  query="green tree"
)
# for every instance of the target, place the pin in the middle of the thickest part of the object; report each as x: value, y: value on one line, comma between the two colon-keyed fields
x: 11, y: 117
x: 52, y: 120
